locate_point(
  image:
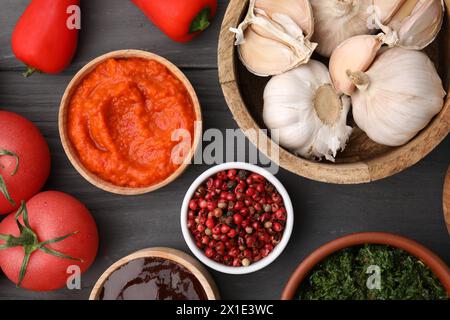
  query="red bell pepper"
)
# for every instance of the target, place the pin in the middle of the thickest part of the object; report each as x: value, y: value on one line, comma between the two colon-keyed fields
x: 43, y: 39
x: 180, y: 20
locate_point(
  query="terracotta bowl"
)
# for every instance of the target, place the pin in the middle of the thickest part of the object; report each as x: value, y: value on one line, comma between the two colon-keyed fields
x: 363, y: 160
x: 205, y: 279
x: 435, y: 263
x: 71, y: 152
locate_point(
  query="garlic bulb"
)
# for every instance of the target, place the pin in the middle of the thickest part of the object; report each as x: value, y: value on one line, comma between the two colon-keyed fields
x: 416, y: 23
x: 274, y: 36
x: 338, y: 20
x: 305, y: 114
x: 397, y: 97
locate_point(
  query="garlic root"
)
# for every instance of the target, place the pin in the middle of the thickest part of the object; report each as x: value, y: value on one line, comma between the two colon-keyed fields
x: 327, y: 105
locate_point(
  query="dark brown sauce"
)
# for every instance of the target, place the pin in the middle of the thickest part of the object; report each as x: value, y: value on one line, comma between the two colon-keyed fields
x: 152, y: 279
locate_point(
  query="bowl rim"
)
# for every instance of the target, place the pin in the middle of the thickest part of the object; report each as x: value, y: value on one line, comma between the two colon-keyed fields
x: 436, y: 264
x: 174, y: 255
x: 380, y: 167
x: 446, y: 200
x: 279, y: 248
x: 71, y: 152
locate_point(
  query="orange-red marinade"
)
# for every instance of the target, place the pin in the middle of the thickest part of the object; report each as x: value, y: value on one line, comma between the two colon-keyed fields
x: 121, y: 119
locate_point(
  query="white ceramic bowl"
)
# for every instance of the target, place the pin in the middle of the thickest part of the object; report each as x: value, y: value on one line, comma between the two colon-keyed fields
x: 278, y: 248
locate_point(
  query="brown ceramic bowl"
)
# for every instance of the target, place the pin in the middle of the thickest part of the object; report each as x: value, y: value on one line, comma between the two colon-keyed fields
x: 179, y: 257
x: 435, y: 263
x: 72, y: 154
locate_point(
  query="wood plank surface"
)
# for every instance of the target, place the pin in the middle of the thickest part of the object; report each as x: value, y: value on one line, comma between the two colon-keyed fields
x: 109, y: 25
x: 409, y: 203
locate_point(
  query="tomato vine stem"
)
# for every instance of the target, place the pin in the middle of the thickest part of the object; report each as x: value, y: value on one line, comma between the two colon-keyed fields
x: 28, y: 240
x: 3, y: 187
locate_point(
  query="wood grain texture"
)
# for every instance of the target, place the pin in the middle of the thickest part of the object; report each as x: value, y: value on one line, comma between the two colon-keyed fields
x: 446, y: 200
x: 408, y: 204
x: 103, y: 23
x: 363, y: 160
x: 72, y: 153
x: 194, y: 266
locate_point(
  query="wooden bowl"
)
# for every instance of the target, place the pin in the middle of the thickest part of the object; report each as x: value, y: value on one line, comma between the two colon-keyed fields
x: 176, y: 256
x: 363, y: 160
x: 435, y: 263
x: 446, y: 200
x: 71, y: 152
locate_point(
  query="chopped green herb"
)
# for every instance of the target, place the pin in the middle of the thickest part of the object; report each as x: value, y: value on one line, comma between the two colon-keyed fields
x: 344, y: 276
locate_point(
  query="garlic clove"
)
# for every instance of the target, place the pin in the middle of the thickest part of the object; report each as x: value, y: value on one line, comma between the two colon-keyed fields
x: 299, y: 11
x: 338, y: 20
x: 289, y: 25
x: 354, y: 54
x: 271, y: 45
x: 263, y: 56
x: 263, y: 30
x: 416, y: 24
x: 397, y: 96
x: 422, y: 26
x: 403, y: 13
x: 386, y: 9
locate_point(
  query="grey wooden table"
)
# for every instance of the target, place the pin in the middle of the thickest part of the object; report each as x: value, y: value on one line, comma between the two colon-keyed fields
x: 409, y: 203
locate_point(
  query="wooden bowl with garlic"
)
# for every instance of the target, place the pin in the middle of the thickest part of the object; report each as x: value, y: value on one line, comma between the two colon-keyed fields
x: 352, y: 91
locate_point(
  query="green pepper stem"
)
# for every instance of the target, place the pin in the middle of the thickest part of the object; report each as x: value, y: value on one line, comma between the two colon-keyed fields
x: 29, y: 72
x: 201, y: 21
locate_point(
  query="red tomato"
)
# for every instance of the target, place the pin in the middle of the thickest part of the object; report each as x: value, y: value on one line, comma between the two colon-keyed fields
x: 51, y: 215
x: 23, y: 139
